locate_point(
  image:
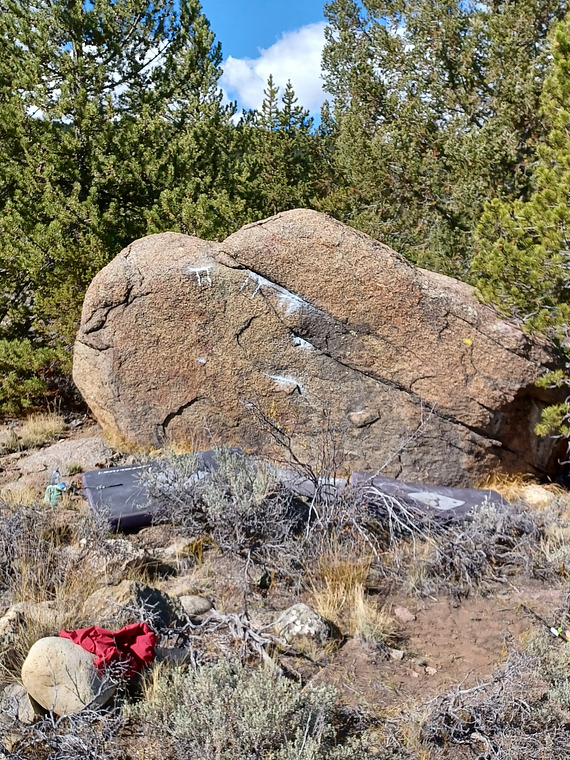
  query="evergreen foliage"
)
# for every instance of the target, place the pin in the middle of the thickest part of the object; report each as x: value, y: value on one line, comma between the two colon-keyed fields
x: 435, y: 112
x: 284, y: 159
x: 106, y: 109
x: 113, y: 125
x: 523, y: 263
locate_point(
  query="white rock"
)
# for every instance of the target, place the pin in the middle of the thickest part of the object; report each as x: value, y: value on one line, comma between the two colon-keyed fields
x: 14, y: 701
x: 61, y: 677
x: 195, y: 605
x: 302, y: 622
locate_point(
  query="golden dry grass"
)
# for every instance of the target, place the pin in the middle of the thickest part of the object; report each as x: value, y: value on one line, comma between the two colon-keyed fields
x: 41, y: 620
x: 41, y: 428
x: 126, y: 446
x: 515, y: 487
x: 53, y: 593
x: 339, y: 595
x: 25, y: 494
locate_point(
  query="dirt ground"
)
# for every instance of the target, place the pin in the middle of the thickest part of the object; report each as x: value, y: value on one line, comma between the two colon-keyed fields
x: 463, y: 642
x: 444, y: 643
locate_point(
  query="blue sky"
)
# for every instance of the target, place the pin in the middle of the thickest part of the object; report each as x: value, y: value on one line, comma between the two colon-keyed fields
x: 279, y: 37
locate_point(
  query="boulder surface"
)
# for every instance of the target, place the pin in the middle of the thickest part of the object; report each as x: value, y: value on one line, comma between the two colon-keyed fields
x: 62, y: 678
x: 302, y: 316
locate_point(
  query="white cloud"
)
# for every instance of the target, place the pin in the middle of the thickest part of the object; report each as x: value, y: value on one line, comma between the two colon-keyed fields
x: 296, y: 56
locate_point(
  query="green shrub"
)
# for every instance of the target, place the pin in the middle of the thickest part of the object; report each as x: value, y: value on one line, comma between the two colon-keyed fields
x: 228, y: 711
x: 24, y: 375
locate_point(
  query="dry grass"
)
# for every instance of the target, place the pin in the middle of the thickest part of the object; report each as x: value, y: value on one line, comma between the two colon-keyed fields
x: 509, y: 486
x: 339, y: 595
x: 39, y: 573
x: 9, y: 441
x: 337, y: 576
x: 40, y: 429
x: 18, y: 495
x: 127, y: 447
x: 368, y: 621
x: 523, y: 487
x: 43, y: 620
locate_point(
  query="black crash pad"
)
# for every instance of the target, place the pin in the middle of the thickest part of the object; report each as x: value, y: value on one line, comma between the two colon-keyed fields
x: 120, y: 493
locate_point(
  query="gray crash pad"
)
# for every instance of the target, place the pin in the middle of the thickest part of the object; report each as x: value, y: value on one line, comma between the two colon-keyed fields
x: 120, y: 493
x: 432, y: 503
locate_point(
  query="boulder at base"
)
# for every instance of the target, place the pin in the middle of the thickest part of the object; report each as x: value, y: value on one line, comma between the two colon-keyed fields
x: 300, y: 315
x: 61, y: 677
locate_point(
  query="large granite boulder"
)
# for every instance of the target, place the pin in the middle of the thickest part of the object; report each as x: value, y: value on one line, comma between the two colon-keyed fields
x: 299, y: 314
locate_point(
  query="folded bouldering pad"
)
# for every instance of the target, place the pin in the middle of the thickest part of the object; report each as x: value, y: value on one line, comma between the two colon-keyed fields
x: 122, y: 494
x: 440, y: 503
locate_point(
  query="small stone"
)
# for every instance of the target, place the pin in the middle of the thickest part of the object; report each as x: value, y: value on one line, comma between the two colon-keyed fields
x: 14, y: 701
x: 430, y: 671
x: 194, y: 606
x: 414, y: 674
x: 302, y: 622
x: 62, y: 677
x: 396, y: 654
x: 404, y: 615
x: 363, y: 418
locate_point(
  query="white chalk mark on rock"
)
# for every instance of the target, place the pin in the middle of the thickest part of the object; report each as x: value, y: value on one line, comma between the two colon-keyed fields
x: 286, y: 381
x: 201, y: 273
x: 302, y: 343
x: 288, y: 300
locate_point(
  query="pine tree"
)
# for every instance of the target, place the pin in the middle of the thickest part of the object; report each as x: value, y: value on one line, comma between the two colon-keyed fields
x: 106, y: 107
x: 436, y: 111
x: 523, y: 262
x: 283, y: 164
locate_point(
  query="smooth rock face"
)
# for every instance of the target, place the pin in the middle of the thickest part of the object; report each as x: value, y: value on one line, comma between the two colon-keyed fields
x: 302, y: 622
x: 87, y: 452
x: 61, y: 677
x: 300, y: 314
